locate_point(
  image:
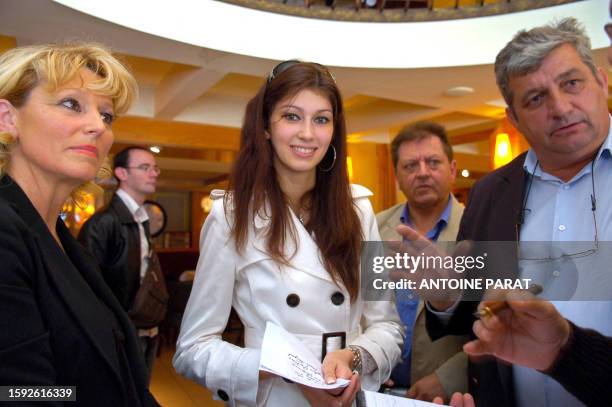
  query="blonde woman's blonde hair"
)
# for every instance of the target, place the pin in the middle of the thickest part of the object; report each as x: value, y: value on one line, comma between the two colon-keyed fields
x: 53, y: 65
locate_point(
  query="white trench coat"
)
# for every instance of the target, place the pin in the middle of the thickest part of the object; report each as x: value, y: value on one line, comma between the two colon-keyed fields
x: 258, y: 288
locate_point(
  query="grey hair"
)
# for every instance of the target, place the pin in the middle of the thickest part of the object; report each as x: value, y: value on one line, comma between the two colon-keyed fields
x: 525, y: 53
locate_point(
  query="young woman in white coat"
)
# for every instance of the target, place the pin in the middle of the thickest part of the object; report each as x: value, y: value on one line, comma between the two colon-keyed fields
x: 283, y: 245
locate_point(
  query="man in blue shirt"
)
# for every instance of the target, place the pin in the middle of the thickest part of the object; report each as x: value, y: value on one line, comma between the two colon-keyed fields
x: 425, y: 171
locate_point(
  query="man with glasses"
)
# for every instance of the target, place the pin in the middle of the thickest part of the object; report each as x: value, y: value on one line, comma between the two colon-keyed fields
x: 118, y: 235
x: 425, y: 171
x: 557, y: 192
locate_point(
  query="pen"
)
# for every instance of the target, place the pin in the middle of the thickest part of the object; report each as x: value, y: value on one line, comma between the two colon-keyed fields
x: 490, y: 310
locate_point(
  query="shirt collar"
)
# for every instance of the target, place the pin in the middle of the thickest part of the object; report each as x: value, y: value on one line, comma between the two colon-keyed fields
x: 440, y: 223
x: 138, y: 212
x: 605, y: 152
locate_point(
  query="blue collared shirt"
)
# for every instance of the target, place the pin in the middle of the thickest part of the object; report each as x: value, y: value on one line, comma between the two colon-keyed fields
x: 442, y: 222
x: 561, y: 211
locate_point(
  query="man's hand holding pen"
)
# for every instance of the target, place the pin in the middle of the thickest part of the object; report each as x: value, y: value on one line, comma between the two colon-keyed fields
x: 523, y: 330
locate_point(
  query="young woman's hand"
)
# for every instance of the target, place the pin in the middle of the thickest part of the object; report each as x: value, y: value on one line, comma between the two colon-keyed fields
x: 337, y: 365
x: 323, y: 398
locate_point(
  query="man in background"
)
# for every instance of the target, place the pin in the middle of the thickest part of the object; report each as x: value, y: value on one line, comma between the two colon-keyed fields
x: 425, y: 171
x: 118, y: 235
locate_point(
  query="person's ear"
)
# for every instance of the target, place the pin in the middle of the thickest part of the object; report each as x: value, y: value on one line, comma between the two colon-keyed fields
x: 8, y: 118
x: 453, y: 168
x: 121, y: 173
x: 602, y: 79
x: 511, y: 116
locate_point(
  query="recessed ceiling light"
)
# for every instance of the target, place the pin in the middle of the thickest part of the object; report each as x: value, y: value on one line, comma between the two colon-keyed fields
x: 155, y: 149
x: 459, y: 91
x: 465, y: 173
x: 497, y: 103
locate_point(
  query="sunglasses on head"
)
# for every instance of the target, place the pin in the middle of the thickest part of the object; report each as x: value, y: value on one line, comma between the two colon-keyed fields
x: 283, y: 66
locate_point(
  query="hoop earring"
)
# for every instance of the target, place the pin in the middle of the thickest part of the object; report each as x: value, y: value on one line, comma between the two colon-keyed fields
x: 333, y: 162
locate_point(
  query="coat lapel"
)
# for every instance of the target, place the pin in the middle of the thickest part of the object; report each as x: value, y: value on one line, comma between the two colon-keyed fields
x: 302, y: 259
x: 388, y: 232
x: 76, y: 294
x: 122, y: 211
x: 449, y: 234
x: 509, y: 200
x: 305, y: 259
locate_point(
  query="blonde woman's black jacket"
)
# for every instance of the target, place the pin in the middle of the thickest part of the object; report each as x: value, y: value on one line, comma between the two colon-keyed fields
x: 60, y: 324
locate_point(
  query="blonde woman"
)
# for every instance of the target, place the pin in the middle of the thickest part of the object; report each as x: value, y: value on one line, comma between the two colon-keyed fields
x: 60, y: 323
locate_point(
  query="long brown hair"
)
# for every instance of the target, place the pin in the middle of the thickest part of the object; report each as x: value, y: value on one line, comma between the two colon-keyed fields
x: 254, y: 187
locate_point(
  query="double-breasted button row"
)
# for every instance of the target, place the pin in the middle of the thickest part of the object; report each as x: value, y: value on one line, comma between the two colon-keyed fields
x: 337, y: 298
x: 293, y: 300
x: 222, y: 395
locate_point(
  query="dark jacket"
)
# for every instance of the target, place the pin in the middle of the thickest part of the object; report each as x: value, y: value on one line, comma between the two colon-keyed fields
x: 493, y: 213
x: 584, y: 367
x: 60, y: 324
x: 113, y: 237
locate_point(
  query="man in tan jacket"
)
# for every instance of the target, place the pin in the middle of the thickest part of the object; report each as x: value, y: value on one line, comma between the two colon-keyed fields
x: 425, y: 171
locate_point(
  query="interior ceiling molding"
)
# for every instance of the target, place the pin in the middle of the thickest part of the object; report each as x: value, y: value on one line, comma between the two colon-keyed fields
x: 204, y: 185
x: 138, y: 130
x: 182, y: 164
x: 466, y: 138
x: 396, y: 15
x: 221, y: 26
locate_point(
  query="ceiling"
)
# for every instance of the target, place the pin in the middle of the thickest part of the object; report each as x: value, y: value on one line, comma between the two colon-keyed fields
x: 192, y: 98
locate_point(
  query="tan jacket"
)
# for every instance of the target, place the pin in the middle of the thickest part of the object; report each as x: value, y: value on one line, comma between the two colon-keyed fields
x: 444, y: 356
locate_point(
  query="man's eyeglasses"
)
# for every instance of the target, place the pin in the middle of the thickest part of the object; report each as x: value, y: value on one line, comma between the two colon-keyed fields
x: 146, y: 168
x: 283, y: 66
x: 582, y: 253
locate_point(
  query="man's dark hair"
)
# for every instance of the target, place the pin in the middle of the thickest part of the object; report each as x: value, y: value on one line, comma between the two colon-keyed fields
x: 122, y: 158
x: 419, y: 131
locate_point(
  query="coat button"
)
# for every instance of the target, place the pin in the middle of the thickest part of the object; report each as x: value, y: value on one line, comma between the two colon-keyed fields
x: 293, y: 300
x: 337, y: 298
x: 222, y: 395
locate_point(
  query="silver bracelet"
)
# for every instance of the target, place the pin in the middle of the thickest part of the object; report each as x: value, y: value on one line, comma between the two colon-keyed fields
x: 356, y: 361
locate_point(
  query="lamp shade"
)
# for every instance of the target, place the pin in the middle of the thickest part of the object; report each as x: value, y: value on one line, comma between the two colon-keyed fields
x: 503, y: 150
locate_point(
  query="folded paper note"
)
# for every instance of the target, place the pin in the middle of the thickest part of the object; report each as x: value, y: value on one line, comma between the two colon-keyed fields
x: 285, y: 355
